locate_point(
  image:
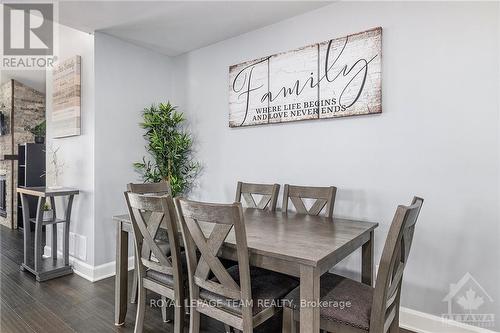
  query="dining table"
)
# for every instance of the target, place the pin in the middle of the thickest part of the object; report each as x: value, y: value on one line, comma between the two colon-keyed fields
x: 300, y: 245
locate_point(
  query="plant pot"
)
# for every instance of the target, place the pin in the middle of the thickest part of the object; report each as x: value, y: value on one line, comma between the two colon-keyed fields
x: 39, y: 139
x: 48, y: 215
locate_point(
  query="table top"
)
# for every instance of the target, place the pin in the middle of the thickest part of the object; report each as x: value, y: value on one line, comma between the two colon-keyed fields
x: 47, y: 191
x: 302, y: 238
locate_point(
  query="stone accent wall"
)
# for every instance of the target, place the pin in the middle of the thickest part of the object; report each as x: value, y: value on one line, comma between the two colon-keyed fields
x: 6, y: 148
x: 5, y: 108
x: 29, y: 110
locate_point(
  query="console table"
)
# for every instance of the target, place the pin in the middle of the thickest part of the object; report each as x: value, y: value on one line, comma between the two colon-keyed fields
x: 48, y: 268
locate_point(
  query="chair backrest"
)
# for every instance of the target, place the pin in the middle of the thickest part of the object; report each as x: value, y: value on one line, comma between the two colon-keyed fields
x: 147, y: 214
x: 325, y: 199
x: 160, y: 188
x: 197, y: 219
x: 269, y: 193
x: 385, y: 308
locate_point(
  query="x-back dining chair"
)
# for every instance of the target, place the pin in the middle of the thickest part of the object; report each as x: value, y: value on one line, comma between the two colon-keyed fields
x: 234, y: 291
x: 325, y: 199
x: 268, y: 192
x: 161, y: 188
x: 163, y: 275
x: 372, y: 310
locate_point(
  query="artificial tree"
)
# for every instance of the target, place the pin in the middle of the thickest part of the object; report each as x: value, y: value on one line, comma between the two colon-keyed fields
x: 170, y: 148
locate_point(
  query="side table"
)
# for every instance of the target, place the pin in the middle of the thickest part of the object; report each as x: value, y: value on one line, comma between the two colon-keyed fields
x: 48, y: 268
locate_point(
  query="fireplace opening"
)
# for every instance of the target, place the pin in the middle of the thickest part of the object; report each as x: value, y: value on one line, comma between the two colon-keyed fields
x: 3, y: 196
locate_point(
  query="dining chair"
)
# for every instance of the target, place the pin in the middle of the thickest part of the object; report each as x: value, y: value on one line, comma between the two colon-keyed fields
x: 325, y: 199
x: 268, y: 192
x: 161, y: 274
x: 160, y: 188
x: 231, y: 295
x: 373, y: 310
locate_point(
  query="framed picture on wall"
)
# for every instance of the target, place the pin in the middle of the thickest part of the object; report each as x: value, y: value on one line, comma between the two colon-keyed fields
x: 66, y: 98
x: 340, y: 77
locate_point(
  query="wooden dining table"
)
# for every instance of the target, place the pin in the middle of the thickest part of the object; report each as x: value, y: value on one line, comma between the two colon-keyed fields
x: 299, y: 245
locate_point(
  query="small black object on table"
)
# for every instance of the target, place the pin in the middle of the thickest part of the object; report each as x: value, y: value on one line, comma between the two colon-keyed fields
x: 48, y: 268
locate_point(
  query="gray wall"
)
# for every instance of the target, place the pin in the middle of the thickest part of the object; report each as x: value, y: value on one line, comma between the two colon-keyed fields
x: 437, y: 136
x: 128, y: 79
x: 77, y: 152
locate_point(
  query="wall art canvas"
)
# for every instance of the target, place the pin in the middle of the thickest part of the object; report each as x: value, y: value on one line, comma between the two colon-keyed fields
x: 66, y: 98
x: 337, y: 78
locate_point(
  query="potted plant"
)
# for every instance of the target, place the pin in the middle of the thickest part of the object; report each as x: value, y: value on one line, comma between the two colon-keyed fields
x: 170, y: 147
x: 48, y: 213
x: 38, y: 131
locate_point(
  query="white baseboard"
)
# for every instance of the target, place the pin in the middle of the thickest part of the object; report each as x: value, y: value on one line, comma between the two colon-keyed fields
x: 109, y: 269
x: 421, y: 322
x: 89, y: 272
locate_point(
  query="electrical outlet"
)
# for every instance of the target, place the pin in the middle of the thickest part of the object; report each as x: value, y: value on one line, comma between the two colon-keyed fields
x: 81, y: 247
x: 72, y: 242
x: 77, y: 244
x: 59, y: 239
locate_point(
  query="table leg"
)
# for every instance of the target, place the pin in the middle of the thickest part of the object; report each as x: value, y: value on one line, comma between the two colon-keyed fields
x: 135, y: 283
x: 38, y: 234
x: 26, y: 228
x: 65, y: 242
x: 54, y: 241
x: 121, y: 278
x: 367, y: 260
x: 309, y: 298
x: 54, y: 228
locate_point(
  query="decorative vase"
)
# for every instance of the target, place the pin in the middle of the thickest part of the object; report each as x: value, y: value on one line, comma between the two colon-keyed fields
x: 55, y: 187
x: 55, y: 183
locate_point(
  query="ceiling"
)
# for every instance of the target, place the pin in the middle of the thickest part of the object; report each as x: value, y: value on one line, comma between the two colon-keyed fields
x: 175, y: 27
x: 169, y: 27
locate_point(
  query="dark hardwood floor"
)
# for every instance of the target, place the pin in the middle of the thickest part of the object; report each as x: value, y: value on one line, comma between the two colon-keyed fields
x: 71, y: 303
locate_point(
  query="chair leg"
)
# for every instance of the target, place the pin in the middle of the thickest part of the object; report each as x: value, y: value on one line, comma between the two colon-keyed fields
x: 179, y: 313
x: 133, y: 297
x: 141, y: 307
x: 394, y: 328
x: 164, y: 308
x: 247, y: 326
x: 289, y: 325
x: 194, y: 321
